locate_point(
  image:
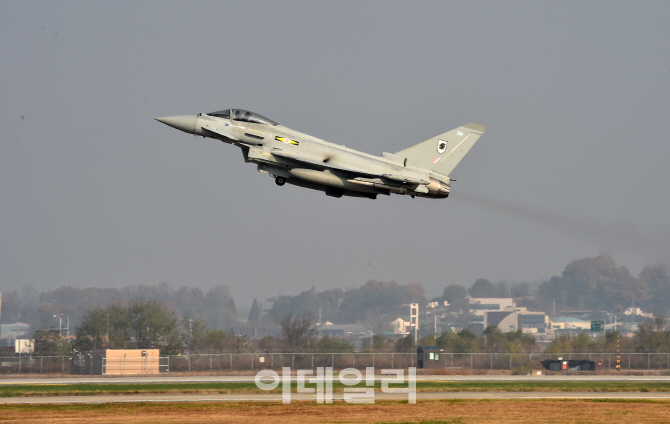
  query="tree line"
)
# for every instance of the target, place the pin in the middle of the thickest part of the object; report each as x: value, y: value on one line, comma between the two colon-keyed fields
x: 150, y: 324
x: 584, y: 284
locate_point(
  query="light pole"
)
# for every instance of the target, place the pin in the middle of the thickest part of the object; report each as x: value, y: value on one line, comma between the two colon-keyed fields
x: 435, y: 324
x: 60, y: 325
x: 68, y: 325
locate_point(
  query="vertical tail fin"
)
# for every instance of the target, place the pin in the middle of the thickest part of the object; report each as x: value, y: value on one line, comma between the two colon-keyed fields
x: 443, y: 152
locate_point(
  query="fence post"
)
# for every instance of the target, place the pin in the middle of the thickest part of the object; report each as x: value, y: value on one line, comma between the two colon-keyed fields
x: 62, y: 364
x: 649, y: 363
x: 210, y: 361
x: 292, y: 360
x: 471, y: 363
x: 393, y: 354
x: 510, y: 362
x: 231, y: 361
x: 373, y: 359
x: 189, y: 361
x: 332, y: 360
x: 19, y: 362
x: 353, y: 360
x: 412, y: 357
x: 629, y: 361
x: 272, y: 358
x: 452, y: 360
x: 491, y: 360
x: 42, y: 358
x: 252, y: 361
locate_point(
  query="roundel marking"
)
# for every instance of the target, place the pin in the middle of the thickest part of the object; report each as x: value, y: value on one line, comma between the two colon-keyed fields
x: 441, y: 146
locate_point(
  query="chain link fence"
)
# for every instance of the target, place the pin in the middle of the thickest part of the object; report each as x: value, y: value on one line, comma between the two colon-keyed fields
x: 257, y: 361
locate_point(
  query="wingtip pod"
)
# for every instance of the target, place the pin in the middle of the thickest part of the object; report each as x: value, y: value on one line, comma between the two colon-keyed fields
x: 475, y: 127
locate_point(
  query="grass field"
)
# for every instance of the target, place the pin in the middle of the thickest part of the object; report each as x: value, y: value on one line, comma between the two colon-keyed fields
x: 230, y: 388
x: 425, y: 412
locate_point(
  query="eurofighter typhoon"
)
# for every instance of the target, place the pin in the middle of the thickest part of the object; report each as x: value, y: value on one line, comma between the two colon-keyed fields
x: 292, y: 157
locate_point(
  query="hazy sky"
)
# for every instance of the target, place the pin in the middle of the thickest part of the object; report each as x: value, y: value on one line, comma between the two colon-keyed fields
x: 574, y: 163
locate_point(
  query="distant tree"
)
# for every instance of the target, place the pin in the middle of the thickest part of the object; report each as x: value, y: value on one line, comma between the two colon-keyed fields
x: 657, y: 280
x: 333, y: 344
x: 255, y: 312
x: 219, y: 314
x: 11, y: 306
x: 269, y: 344
x: 653, y: 335
x: 138, y: 324
x: 217, y: 341
x: 454, y: 293
x: 308, y: 301
x: 377, y: 343
x: 520, y: 290
x: 297, y: 331
x: 378, y: 297
x: 194, y: 334
x: 465, y: 341
x: 153, y: 325
x: 405, y: 345
x: 593, y: 283
x: 92, y: 331
x: 231, y: 307
x: 49, y: 343
x: 494, y: 340
x: 483, y: 288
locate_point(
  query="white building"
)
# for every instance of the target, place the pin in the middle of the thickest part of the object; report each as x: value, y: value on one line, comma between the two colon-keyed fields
x: 400, y: 326
x: 504, y: 314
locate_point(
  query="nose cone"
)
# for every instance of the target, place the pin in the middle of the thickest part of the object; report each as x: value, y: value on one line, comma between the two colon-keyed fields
x: 184, y: 123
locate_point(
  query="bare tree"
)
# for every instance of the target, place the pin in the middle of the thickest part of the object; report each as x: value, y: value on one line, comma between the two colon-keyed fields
x: 297, y: 331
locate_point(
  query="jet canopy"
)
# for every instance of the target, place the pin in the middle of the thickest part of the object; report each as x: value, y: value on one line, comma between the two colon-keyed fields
x: 243, y: 115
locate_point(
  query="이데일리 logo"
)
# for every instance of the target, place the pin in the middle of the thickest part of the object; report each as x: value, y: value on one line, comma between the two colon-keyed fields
x: 441, y: 146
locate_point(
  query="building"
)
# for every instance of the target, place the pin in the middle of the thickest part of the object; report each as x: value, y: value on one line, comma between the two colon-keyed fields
x: 24, y: 346
x: 533, y: 322
x: 504, y: 314
x: 9, y: 333
x: 400, y: 326
x: 569, y: 323
x: 119, y: 362
x: 638, y: 312
x: 17, y: 330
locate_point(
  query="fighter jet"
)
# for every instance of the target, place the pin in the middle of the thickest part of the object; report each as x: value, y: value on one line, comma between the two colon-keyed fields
x: 296, y: 158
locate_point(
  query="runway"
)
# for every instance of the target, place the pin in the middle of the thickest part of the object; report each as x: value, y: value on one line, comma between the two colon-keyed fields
x: 250, y: 379
x: 296, y: 397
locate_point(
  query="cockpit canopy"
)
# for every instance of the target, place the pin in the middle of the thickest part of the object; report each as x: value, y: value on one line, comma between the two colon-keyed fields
x: 243, y: 115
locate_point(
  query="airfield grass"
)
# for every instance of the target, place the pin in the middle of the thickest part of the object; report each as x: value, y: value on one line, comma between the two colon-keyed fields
x: 21, y: 390
x: 385, y: 412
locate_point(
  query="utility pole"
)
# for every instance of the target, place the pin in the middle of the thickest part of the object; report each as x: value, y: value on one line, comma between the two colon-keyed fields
x: 68, y: 325
x: 60, y: 325
x: 190, y: 334
x: 435, y: 322
x: 618, y: 356
x: 108, y: 341
x: 414, y: 319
